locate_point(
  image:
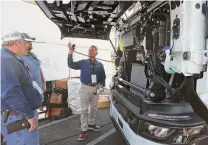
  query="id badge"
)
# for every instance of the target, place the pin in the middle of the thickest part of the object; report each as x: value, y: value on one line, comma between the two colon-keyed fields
x: 94, y: 78
x: 37, y: 87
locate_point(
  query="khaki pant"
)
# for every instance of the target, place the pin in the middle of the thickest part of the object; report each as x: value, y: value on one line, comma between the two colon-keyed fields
x: 88, y: 99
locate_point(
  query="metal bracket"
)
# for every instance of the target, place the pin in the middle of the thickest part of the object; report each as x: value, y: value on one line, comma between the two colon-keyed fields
x: 176, y: 28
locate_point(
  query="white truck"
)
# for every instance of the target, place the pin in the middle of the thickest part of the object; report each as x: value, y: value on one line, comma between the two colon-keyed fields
x: 159, y: 94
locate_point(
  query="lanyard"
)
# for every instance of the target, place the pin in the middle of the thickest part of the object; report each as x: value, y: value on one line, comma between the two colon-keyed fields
x: 92, y: 65
x: 24, y: 65
x: 34, y: 84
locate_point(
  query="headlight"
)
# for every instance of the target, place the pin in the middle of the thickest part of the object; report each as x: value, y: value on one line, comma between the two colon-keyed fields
x: 189, y: 134
x: 159, y: 132
x: 171, y: 135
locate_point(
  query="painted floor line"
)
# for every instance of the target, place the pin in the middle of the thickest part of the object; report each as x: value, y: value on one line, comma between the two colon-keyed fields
x: 102, y: 137
x: 55, y: 122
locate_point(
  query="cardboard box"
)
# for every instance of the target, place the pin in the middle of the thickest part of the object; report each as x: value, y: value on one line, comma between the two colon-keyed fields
x: 62, y: 84
x: 56, y: 98
x: 103, y: 102
x: 54, y: 112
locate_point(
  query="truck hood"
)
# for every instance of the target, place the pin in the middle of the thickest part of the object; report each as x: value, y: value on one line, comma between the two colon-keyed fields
x: 84, y: 19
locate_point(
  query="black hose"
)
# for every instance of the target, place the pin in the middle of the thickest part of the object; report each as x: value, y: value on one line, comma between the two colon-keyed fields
x: 75, y: 51
x: 144, y: 91
x: 96, y: 58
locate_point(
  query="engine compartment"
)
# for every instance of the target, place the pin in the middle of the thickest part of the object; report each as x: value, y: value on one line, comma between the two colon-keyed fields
x: 160, y: 59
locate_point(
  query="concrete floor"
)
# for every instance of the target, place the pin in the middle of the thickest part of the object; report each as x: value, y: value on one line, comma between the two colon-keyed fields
x: 66, y: 131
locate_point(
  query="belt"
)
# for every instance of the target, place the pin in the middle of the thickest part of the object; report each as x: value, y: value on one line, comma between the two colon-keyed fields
x: 5, y: 114
x: 12, y: 112
x: 92, y: 85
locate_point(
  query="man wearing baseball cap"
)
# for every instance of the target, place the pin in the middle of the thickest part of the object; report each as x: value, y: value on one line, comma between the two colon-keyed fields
x: 20, y: 94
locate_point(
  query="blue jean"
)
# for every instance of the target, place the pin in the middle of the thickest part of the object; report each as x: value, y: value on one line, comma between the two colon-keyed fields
x: 22, y: 137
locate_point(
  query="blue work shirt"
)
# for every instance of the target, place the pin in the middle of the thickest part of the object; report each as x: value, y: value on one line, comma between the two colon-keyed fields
x: 87, y: 69
x: 34, y: 65
x: 17, y: 91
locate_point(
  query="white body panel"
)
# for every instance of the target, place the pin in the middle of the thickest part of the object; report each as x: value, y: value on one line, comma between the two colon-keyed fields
x: 191, y: 39
x: 132, y: 137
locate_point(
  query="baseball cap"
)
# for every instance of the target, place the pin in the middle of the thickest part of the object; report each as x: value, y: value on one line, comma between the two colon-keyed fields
x: 15, y: 35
